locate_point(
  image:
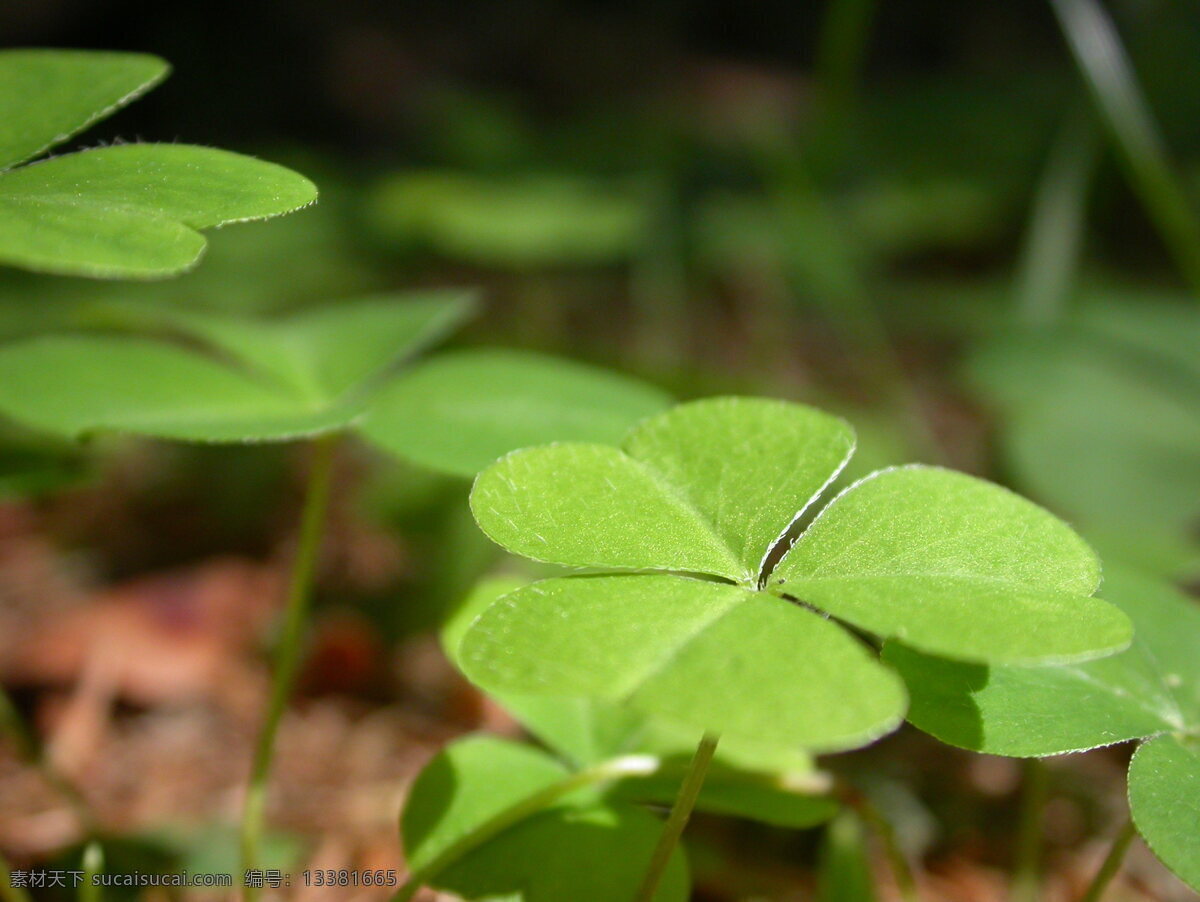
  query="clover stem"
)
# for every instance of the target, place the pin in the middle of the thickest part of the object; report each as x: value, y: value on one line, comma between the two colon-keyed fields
x: 1029, y: 833
x: 287, y: 653
x: 605, y: 771
x: 681, y: 811
x: 906, y: 883
x: 1111, y: 864
x: 93, y: 864
x: 10, y: 892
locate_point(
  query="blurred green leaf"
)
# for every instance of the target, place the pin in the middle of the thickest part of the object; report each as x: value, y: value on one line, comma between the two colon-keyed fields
x: 46, y: 96
x: 518, y: 222
x: 33, y: 463
x: 291, y: 377
x: 1101, y: 418
x: 460, y: 412
x: 325, y: 352
x: 1054, y: 237
x: 1164, y: 797
x: 488, y: 817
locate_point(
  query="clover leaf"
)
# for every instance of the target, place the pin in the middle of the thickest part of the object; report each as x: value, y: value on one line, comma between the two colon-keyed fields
x: 460, y: 411
x: 518, y: 223
x: 253, y: 380
x: 194, y: 375
x: 1150, y: 690
x: 726, y: 640
x: 1101, y: 420
x: 488, y: 817
x: 1164, y: 797
x: 764, y: 783
x: 132, y: 210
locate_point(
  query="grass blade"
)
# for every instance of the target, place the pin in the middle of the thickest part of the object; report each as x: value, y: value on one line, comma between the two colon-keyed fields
x: 1106, y: 68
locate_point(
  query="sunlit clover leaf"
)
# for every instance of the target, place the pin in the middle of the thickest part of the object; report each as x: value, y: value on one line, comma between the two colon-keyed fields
x: 1151, y: 689
x: 1024, y: 711
x: 771, y: 784
x: 708, y: 655
x: 711, y: 488
x: 707, y: 487
x: 955, y: 566
x: 259, y: 380
x: 132, y: 210
x: 488, y: 817
x: 461, y: 411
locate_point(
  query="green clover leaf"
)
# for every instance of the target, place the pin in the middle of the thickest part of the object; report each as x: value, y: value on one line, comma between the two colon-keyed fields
x: 200, y: 376
x: 726, y: 640
x: 460, y: 411
x: 1150, y: 690
x: 125, y: 211
x: 251, y: 380
x: 488, y: 817
x: 764, y: 783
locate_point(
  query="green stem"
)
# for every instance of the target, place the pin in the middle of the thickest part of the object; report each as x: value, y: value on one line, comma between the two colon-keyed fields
x: 1026, y: 873
x: 8, y: 892
x: 614, y: 769
x: 902, y: 872
x: 681, y: 811
x: 93, y: 864
x: 1111, y: 864
x: 288, y: 650
x: 1106, y: 68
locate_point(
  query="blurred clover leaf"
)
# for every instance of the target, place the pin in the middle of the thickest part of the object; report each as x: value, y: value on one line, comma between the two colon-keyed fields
x: 460, y: 411
x: 250, y: 380
x: 1151, y: 691
x: 1101, y: 420
x: 124, y: 211
x: 518, y: 222
x: 202, y: 376
x: 728, y: 640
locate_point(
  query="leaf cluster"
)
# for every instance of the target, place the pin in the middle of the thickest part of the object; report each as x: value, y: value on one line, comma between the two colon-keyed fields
x: 121, y: 211
x: 715, y: 610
